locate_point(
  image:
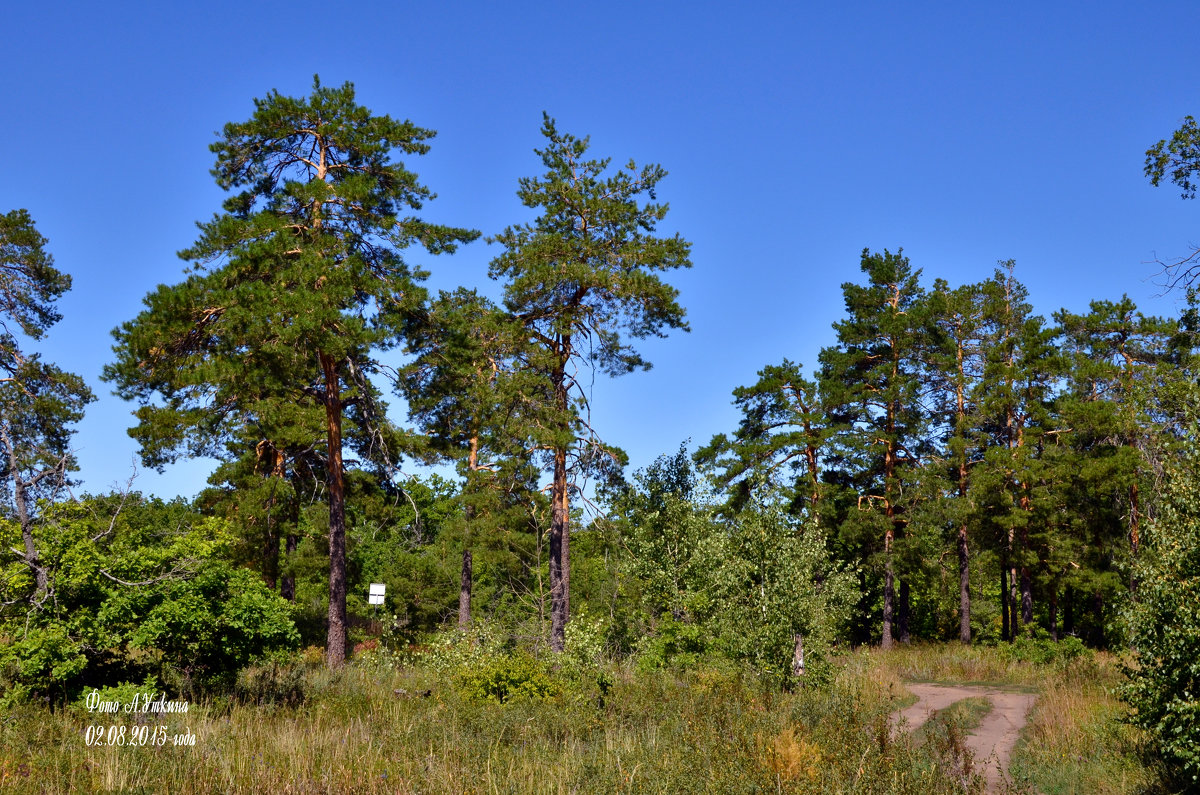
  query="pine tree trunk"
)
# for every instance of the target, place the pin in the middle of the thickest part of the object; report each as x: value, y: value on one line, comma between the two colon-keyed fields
x: 964, y: 587
x: 1135, y: 524
x: 1026, y: 597
x: 560, y: 514
x: 24, y: 518
x: 1014, y: 600
x: 889, y: 592
x: 466, y: 578
x: 464, y: 592
x: 335, y: 644
x: 270, y: 559
x: 559, y: 554
x: 1026, y: 577
x: 964, y: 560
x: 1005, y: 628
x: 287, y: 584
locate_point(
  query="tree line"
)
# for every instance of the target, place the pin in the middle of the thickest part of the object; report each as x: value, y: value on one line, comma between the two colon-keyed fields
x: 950, y: 429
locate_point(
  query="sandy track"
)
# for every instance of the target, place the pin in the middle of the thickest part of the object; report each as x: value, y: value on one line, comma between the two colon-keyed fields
x: 992, y: 741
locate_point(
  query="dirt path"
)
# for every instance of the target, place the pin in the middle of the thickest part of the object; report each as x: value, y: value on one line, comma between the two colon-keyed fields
x: 993, y: 741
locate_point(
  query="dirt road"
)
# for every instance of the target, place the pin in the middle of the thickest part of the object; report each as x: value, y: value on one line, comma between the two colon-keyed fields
x: 993, y: 741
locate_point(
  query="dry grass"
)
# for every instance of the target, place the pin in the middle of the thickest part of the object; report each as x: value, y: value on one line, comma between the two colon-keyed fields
x: 1076, y: 741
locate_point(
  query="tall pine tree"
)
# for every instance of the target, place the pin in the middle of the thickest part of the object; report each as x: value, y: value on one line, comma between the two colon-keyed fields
x: 38, y: 401
x: 874, y: 378
x: 581, y: 279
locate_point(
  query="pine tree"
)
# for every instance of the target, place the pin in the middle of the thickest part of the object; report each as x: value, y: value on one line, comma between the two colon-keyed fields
x: 1021, y: 372
x: 779, y: 443
x: 294, y: 287
x: 874, y: 378
x: 956, y: 371
x: 468, y: 390
x: 1119, y: 357
x: 577, y: 279
x: 38, y: 401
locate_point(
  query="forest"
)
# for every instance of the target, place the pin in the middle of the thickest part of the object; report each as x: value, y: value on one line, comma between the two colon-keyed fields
x: 953, y: 469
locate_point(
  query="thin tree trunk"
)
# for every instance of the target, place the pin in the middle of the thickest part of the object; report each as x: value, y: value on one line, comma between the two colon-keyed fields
x: 335, y: 644
x: 466, y: 579
x: 905, y: 612
x: 1054, y: 612
x: 964, y: 587
x: 287, y: 583
x: 1026, y: 597
x: 889, y: 592
x: 25, y: 518
x: 1069, y: 612
x: 964, y: 560
x: 1005, y: 627
x: 1026, y: 577
x: 270, y: 462
x: 1014, y: 600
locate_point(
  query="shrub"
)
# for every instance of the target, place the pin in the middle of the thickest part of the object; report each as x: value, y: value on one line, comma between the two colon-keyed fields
x: 676, y: 645
x: 505, y: 678
x: 1164, y: 623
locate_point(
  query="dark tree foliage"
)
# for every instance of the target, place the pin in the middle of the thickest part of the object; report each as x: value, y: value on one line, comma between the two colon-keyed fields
x: 469, y: 390
x: 779, y: 444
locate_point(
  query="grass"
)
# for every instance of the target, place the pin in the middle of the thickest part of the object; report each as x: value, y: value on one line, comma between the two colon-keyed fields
x: 1076, y: 741
x: 962, y: 716
x: 709, y: 730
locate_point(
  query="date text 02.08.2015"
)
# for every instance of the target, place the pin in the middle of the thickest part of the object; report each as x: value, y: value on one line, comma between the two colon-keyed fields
x: 115, y: 734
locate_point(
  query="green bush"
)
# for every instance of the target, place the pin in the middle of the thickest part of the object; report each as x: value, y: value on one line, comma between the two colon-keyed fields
x: 506, y: 678
x: 140, y: 589
x: 675, y: 645
x: 1044, y: 651
x: 1164, y: 624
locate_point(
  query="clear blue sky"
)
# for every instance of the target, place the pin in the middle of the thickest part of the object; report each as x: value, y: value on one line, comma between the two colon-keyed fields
x: 795, y: 134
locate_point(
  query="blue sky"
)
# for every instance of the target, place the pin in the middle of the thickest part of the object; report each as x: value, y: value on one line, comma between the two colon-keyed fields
x: 795, y: 134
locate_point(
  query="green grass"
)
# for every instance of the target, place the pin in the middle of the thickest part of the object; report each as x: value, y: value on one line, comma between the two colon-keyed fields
x: 710, y: 730
x: 962, y: 716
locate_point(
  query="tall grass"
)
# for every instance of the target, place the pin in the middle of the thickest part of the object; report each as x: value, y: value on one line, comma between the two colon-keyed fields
x: 371, y: 728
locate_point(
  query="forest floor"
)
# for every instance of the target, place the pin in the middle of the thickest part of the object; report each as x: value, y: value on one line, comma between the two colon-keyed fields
x: 992, y: 741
